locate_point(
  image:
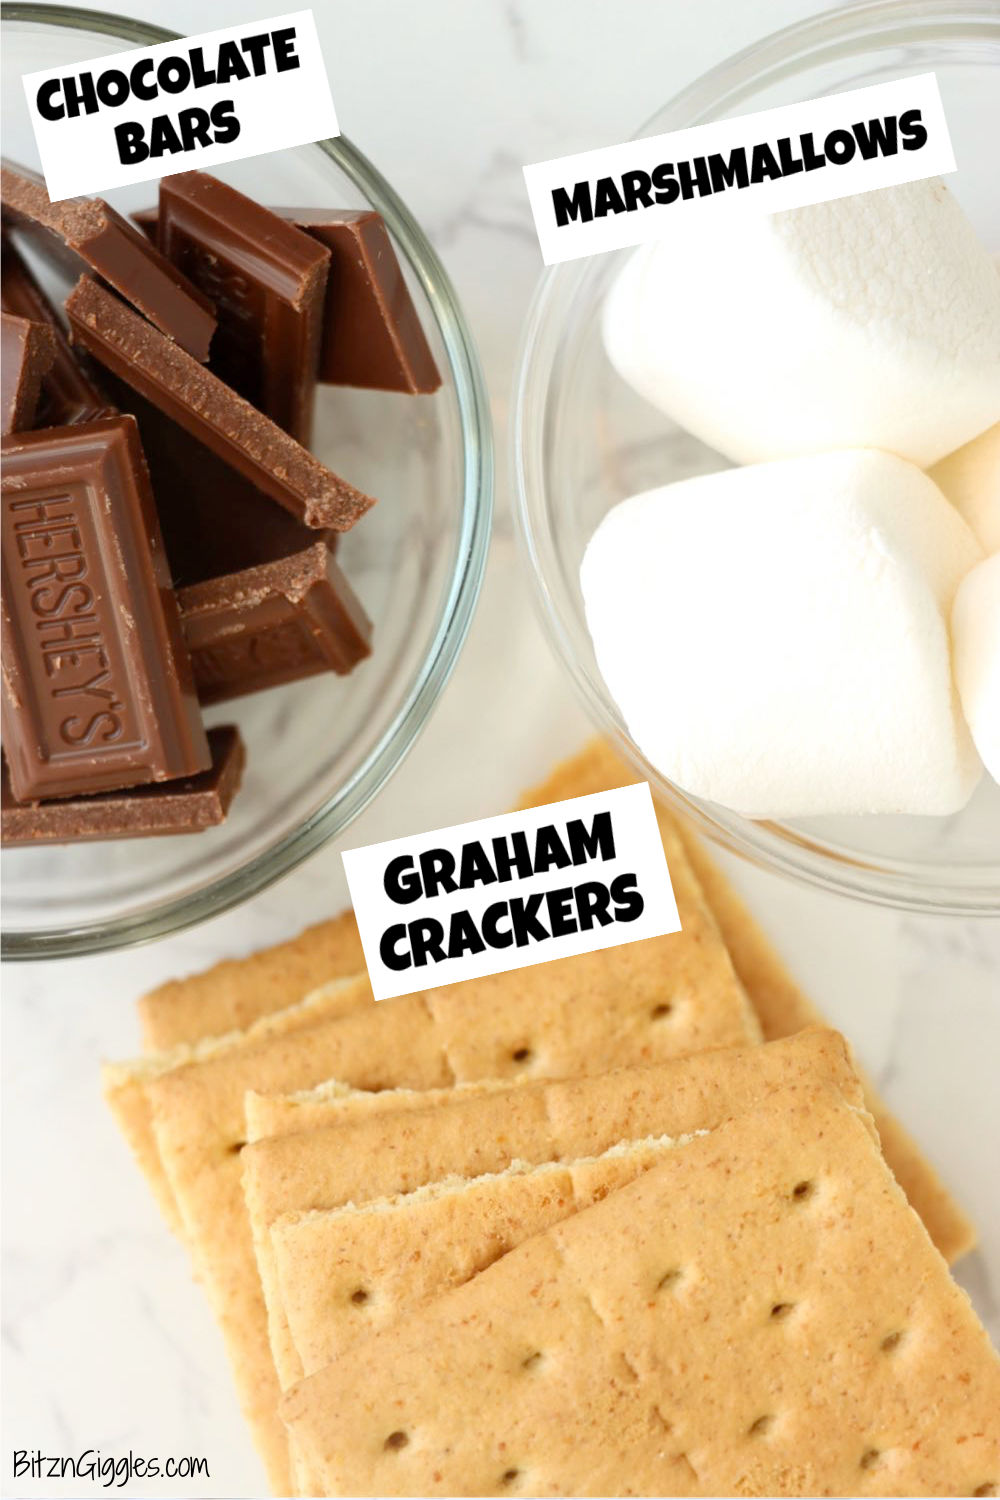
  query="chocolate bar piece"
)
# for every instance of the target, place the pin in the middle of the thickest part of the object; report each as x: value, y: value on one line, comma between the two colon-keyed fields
x: 371, y: 332
x: 262, y: 601
x: 267, y: 281
x: 188, y: 805
x: 213, y: 413
x: 272, y: 624
x: 90, y: 230
x: 70, y: 392
x: 97, y: 684
x: 28, y: 351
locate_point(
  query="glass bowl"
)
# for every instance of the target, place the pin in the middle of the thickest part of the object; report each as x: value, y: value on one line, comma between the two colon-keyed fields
x: 583, y: 440
x: 318, y: 750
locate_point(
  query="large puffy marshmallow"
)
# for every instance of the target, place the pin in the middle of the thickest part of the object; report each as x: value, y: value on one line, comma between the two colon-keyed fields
x: 871, y: 321
x: 970, y: 479
x: 976, y: 637
x: 776, y: 636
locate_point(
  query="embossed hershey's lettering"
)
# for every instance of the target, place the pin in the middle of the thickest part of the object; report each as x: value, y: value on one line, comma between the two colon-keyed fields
x: 49, y: 535
x: 97, y: 691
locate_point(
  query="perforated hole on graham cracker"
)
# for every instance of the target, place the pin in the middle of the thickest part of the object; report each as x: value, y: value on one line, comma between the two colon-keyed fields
x: 360, y: 1296
x: 668, y: 1281
x: 522, y: 1055
x: 803, y: 1190
x: 396, y: 1440
x: 661, y: 1011
x: 533, y: 1361
x: 761, y: 1426
x: 509, y: 1477
x: 870, y: 1459
x: 782, y: 1310
x: 892, y: 1341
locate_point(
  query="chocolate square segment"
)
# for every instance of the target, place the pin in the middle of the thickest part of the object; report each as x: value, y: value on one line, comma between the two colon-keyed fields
x: 266, y: 280
x: 188, y: 805
x: 272, y: 624
x: 28, y: 352
x: 372, y: 336
x: 97, y: 691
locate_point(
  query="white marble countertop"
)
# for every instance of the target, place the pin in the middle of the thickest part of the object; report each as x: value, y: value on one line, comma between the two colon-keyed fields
x: 107, y: 1342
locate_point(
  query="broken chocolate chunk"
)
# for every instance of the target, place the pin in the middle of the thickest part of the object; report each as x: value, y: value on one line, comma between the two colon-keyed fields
x: 371, y: 332
x: 267, y: 281
x: 71, y: 391
x: 188, y: 805
x: 28, y: 352
x: 89, y: 230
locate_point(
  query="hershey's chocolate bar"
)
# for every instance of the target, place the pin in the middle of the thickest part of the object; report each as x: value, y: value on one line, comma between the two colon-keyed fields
x: 97, y: 685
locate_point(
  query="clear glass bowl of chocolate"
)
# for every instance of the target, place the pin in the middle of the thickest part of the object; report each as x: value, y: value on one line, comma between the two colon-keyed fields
x: 584, y: 441
x: 319, y: 747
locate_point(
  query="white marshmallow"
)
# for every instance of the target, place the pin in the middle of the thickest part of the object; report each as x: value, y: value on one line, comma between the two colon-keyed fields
x: 872, y: 321
x: 776, y: 636
x: 976, y: 638
x: 970, y: 479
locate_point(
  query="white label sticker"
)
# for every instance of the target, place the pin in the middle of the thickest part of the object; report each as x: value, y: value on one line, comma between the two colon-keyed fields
x: 776, y: 159
x: 499, y: 894
x: 196, y: 102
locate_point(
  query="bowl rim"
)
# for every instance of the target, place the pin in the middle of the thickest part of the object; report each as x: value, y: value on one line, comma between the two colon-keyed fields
x: 826, y: 37
x: 456, y: 611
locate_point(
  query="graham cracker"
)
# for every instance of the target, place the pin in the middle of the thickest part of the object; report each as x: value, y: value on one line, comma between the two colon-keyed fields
x: 761, y: 1313
x: 648, y: 1000
x: 448, y: 1232
x: 778, y: 1000
x: 783, y: 1009
x: 125, y: 1084
x: 396, y: 1253
x: 411, y: 1236
x: 234, y: 994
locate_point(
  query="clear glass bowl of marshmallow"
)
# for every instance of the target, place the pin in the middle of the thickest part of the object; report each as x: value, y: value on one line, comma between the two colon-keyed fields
x: 792, y: 659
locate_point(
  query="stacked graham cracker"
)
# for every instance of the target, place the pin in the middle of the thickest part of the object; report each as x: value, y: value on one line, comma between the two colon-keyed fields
x: 570, y: 1230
